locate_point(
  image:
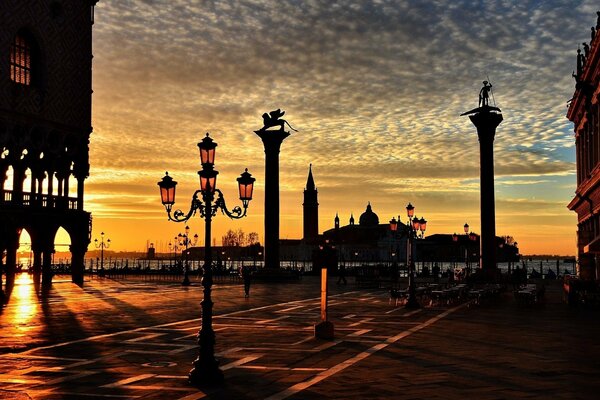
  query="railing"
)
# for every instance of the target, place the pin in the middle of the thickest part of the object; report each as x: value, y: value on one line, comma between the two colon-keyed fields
x: 40, y: 200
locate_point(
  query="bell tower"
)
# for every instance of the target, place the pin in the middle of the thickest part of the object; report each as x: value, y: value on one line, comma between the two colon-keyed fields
x: 311, y: 208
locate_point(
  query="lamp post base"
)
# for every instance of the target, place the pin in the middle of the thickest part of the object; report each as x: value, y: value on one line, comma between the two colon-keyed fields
x: 412, y: 303
x: 205, y: 373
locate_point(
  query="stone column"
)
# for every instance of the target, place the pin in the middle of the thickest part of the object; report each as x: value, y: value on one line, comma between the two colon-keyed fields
x: 37, y: 261
x: 486, y: 120
x: 272, y: 141
x: 80, y: 193
x: 77, y: 263
x: 11, y: 260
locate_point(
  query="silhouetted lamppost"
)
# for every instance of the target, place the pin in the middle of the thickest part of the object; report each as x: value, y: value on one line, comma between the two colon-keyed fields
x: 415, y: 229
x: 174, y: 247
x: 184, y: 240
x: 102, y: 245
x: 206, y: 368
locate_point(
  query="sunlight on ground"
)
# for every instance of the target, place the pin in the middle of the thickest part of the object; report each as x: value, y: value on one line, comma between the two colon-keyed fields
x: 24, y: 300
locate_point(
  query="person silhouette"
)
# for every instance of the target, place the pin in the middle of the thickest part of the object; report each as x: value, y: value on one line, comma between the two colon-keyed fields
x: 247, y: 277
x: 342, y: 275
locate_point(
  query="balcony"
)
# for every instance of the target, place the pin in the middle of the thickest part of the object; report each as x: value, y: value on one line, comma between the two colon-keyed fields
x: 9, y: 198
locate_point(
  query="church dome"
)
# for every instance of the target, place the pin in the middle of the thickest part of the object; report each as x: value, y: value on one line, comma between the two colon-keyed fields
x: 368, y: 218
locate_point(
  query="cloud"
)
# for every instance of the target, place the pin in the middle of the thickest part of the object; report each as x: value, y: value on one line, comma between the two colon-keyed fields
x: 375, y: 89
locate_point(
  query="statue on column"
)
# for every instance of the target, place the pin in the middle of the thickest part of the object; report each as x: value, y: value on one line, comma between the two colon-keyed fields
x: 273, y: 118
x: 484, y: 101
x: 484, y: 94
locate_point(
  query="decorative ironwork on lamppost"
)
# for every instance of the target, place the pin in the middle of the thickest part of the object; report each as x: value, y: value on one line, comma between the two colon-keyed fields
x: 206, y: 367
x: 185, y: 241
x: 102, y: 245
x: 415, y: 228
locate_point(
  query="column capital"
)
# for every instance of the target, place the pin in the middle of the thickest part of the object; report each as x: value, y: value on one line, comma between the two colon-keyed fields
x: 272, y: 139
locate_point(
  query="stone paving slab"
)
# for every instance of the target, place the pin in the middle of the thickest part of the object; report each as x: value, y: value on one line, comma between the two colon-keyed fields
x: 117, y: 340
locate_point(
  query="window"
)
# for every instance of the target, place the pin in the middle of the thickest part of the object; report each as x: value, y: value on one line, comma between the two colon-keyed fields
x: 20, y: 61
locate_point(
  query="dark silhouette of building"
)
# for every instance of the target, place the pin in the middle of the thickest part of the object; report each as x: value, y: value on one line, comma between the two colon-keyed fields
x: 311, y: 209
x: 584, y: 112
x: 45, y: 124
x: 367, y: 241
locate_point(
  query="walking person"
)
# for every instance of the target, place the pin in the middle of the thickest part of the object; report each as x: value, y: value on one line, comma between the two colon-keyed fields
x: 247, y: 277
x: 342, y: 275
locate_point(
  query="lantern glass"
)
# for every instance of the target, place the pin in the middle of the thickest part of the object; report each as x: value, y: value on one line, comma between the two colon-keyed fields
x: 167, y: 190
x: 466, y: 227
x: 455, y: 237
x: 246, y: 186
x: 423, y: 224
x: 416, y: 223
x: 393, y: 225
x: 208, y: 180
x: 410, y: 210
x: 207, y: 151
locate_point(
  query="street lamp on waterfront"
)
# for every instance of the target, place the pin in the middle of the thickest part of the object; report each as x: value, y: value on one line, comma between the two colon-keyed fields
x: 471, y: 238
x: 102, y: 245
x: 415, y: 229
x: 174, y: 246
x: 206, y: 369
x: 185, y: 240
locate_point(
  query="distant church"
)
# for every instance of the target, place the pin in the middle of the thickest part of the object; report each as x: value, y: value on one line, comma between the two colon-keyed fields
x: 45, y: 125
x: 366, y: 241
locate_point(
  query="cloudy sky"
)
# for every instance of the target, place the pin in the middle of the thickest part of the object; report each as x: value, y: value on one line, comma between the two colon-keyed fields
x: 375, y: 89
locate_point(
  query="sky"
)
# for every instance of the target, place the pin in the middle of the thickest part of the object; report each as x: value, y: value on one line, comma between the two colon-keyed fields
x: 375, y: 90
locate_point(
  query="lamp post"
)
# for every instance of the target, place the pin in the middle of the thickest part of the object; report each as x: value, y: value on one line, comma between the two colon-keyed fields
x: 470, y: 237
x: 184, y: 240
x: 206, y: 369
x: 102, y: 245
x: 415, y: 229
x: 174, y: 247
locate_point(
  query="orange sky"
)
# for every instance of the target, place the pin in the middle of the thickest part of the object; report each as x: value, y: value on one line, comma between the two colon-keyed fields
x: 379, y: 123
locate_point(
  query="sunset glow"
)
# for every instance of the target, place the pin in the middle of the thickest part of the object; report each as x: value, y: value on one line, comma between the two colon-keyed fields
x: 375, y: 90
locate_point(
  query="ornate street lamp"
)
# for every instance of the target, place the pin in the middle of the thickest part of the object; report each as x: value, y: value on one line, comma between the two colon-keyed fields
x: 415, y: 229
x: 103, y: 245
x: 206, y: 369
x: 184, y: 240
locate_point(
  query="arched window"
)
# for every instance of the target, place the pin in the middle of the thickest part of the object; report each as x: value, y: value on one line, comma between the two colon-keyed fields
x: 20, y: 60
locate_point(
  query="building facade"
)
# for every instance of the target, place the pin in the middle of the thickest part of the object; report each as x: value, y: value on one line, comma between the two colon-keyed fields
x: 584, y: 112
x: 45, y: 125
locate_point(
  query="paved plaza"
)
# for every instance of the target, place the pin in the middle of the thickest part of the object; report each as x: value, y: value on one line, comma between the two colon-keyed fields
x: 135, y: 339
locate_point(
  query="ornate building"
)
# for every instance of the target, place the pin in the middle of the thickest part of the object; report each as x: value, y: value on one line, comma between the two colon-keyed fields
x: 45, y: 125
x: 584, y: 112
x: 311, y: 209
